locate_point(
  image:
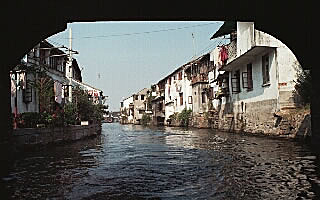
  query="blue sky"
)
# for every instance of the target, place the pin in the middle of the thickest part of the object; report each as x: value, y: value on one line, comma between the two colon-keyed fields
x: 130, y: 56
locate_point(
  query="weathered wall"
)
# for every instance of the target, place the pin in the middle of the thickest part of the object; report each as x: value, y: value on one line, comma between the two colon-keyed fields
x: 260, y: 117
x: 44, y: 136
x: 197, y: 106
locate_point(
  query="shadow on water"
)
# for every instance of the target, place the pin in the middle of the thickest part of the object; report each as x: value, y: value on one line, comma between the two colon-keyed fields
x: 136, y: 162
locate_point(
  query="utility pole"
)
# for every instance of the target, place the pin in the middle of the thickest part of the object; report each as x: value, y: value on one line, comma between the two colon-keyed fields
x: 69, y: 68
x: 194, y: 47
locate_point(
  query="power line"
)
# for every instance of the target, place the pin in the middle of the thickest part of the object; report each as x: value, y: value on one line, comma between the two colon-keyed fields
x: 54, y: 42
x: 145, y: 32
x: 209, y: 47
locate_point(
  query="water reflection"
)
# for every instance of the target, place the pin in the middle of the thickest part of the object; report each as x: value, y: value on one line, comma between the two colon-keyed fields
x: 135, y: 162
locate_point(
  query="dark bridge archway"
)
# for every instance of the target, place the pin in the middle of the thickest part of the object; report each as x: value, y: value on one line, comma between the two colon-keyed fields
x: 26, y: 23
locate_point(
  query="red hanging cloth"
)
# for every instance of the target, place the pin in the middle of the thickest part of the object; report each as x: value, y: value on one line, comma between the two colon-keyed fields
x: 223, y: 54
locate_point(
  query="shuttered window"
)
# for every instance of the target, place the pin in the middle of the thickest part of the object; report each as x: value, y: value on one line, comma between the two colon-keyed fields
x: 235, y: 82
x: 247, y: 81
x: 181, y: 98
x: 265, y: 69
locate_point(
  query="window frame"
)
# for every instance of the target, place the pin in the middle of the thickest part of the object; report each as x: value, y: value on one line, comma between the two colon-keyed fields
x: 203, y: 97
x: 181, y: 98
x: 247, y: 81
x: 235, y: 82
x: 265, y: 69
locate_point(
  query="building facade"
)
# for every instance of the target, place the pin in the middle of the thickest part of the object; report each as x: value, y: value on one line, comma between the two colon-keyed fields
x: 140, y: 105
x: 256, y: 83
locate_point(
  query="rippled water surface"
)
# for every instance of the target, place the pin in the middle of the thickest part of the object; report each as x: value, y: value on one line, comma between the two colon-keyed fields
x: 133, y: 162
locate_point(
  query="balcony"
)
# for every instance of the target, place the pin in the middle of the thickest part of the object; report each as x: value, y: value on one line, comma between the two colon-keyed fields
x: 199, y: 78
x: 232, y: 51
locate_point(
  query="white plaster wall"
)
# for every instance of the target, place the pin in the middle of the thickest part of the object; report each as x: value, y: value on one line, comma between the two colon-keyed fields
x: 23, y: 107
x: 287, y: 62
x: 264, y: 39
x: 259, y: 92
x: 127, y: 101
x: 169, y: 110
x: 245, y: 37
x: 187, y: 93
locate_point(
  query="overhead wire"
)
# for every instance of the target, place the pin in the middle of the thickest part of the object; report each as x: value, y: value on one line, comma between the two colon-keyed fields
x: 210, y: 47
x: 145, y: 32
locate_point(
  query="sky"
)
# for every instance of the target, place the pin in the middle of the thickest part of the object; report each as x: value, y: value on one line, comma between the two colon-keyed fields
x: 123, y: 57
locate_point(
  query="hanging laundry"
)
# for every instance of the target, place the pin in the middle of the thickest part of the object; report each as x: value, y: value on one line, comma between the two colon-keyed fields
x: 57, y: 92
x: 223, y: 55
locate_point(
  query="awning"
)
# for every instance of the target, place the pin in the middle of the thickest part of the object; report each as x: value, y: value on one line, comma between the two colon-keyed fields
x: 226, y: 28
x: 246, y: 58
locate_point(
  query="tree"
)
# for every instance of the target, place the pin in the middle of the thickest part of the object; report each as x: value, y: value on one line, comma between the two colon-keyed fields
x: 303, y: 87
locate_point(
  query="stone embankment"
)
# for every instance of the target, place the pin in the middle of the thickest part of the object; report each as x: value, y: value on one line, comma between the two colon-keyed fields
x: 289, y: 123
x: 44, y: 136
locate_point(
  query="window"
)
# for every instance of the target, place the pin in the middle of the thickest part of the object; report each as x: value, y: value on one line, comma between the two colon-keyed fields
x: 142, y: 97
x: 235, y: 82
x: 121, y: 104
x: 53, y: 63
x: 180, y: 75
x: 265, y: 69
x: 169, y: 80
x: 136, y: 97
x: 247, y: 78
x: 190, y: 99
x: 27, y: 93
x: 203, y: 97
x: 181, y: 99
x: 210, y: 94
x: 174, y: 77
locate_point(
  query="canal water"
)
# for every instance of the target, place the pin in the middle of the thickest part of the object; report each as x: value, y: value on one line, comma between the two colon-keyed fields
x: 135, y: 162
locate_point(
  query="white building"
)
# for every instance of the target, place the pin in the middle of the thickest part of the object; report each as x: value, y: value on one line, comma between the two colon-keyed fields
x: 140, y: 105
x: 257, y: 80
x: 24, y: 97
x: 178, y: 92
x: 126, y: 110
x: 95, y: 93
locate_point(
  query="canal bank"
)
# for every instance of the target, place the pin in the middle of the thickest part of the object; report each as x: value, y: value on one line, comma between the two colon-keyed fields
x: 31, y: 137
x: 290, y: 123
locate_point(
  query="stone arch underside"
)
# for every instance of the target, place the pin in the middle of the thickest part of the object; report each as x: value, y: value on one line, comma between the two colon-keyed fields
x: 27, y: 23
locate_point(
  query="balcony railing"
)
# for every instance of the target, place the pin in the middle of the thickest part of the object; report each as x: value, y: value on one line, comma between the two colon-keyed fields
x: 232, y: 50
x: 199, y: 78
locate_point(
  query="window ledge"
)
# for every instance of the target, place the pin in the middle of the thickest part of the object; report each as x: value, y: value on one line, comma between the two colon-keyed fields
x: 265, y: 84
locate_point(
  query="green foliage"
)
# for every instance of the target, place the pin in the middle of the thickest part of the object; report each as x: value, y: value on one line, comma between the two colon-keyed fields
x: 303, y: 87
x: 98, y: 111
x: 184, y: 116
x: 44, y: 86
x: 28, y: 120
x: 70, y: 113
x: 174, y: 116
x: 145, y: 120
x: 87, y: 111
